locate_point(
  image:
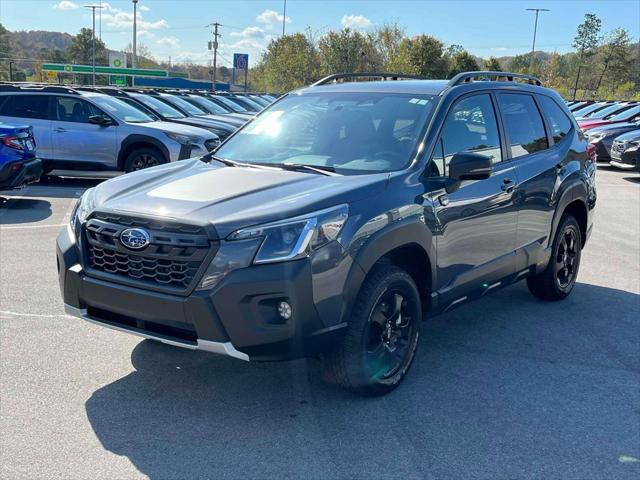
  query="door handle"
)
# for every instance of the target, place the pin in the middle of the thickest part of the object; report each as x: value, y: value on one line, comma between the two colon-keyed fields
x: 59, y: 129
x: 507, y: 185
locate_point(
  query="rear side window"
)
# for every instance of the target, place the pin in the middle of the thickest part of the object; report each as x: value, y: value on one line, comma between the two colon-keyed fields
x: 558, y: 121
x: 470, y: 127
x: 27, y: 106
x: 523, y: 124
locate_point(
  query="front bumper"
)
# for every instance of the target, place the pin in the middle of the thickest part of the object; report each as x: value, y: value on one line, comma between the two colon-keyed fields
x: 628, y: 160
x: 21, y: 172
x: 237, y: 318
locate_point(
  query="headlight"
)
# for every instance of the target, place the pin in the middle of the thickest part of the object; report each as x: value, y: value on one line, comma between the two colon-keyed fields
x: 83, y: 209
x: 274, y: 242
x: 296, y: 237
x: 182, y: 139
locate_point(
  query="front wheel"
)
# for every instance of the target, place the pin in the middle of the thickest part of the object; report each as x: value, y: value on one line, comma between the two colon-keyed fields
x: 143, y: 158
x: 382, y: 336
x: 558, y: 279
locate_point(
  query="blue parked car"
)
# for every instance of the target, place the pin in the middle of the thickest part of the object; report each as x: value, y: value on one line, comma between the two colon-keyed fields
x: 18, y: 162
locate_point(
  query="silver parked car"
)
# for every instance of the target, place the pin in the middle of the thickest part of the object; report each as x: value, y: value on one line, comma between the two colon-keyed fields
x: 90, y: 131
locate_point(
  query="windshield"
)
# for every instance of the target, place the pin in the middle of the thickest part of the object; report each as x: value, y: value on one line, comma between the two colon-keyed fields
x: 588, y: 109
x: 156, y: 105
x: 351, y: 132
x: 182, y: 104
x: 207, y: 104
x: 121, y: 110
x: 627, y: 114
x: 232, y: 105
x: 607, y: 111
x: 246, y: 102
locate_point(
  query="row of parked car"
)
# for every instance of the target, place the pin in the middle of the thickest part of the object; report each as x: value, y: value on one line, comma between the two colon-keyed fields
x: 107, y: 129
x: 613, y: 128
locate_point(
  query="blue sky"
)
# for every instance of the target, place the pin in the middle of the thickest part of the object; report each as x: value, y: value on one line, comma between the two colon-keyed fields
x: 177, y: 28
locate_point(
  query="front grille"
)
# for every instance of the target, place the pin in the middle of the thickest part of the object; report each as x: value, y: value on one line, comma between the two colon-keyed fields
x: 146, y: 269
x: 171, y: 262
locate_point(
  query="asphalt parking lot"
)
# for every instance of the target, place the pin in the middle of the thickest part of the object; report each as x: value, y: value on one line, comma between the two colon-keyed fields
x: 507, y: 387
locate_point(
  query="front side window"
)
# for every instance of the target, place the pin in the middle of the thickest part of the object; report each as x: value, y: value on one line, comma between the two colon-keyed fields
x: 523, y: 124
x: 353, y: 132
x: 470, y: 126
x: 559, y: 123
x: 70, y: 109
x: 27, y: 106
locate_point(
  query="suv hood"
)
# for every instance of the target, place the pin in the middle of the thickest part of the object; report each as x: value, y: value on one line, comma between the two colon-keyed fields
x: 178, y: 128
x: 229, y: 198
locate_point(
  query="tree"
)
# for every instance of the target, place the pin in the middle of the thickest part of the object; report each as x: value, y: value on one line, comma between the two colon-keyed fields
x: 387, y: 40
x: 551, y: 73
x: 289, y: 62
x: 81, y: 49
x: 616, y: 56
x: 461, y: 61
x: 585, y: 41
x: 492, y: 65
x: 348, y: 51
x: 5, y: 50
x: 422, y: 55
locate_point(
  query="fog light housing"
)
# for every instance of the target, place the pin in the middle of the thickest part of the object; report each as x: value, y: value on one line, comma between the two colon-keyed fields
x: 284, y: 310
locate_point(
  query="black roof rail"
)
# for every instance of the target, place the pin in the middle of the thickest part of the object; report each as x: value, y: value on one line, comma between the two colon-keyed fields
x: 37, y: 88
x: 106, y: 90
x: 383, y: 75
x: 466, y: 77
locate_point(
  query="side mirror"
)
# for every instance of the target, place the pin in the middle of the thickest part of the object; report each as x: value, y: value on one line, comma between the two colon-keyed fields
x: 99, y: 120
x: 467, y: 166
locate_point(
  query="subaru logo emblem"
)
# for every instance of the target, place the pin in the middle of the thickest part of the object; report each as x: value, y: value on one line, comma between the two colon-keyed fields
x: 135, y: 238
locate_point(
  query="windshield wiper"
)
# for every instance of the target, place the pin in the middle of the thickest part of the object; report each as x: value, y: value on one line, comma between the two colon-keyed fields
x: 322, y: 169
x: 210, y: 156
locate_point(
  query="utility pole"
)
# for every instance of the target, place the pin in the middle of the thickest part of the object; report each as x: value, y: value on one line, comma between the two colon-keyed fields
x: 11, y: 70
x: 214, y: 46
x: 284, y: 16
x: 93, y: 35
x: 535, y: 30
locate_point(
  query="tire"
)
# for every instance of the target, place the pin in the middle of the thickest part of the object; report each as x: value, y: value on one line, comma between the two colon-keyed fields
x: 557, y: 280
x: 141, y: 158
x: 377, y: 352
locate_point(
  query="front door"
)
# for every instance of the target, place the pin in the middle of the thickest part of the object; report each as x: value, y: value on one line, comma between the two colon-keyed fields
x: 477, y: 224
x: 78, y: 143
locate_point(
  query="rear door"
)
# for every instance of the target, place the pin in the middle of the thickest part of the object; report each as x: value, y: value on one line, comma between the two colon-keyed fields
x: 30, y: 109
x: 78, y: 143
x: 539, y: 160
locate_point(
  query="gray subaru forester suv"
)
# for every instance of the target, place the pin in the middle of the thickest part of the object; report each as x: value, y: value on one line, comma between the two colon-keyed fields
x: 81, y: 130
x: 335, y: 220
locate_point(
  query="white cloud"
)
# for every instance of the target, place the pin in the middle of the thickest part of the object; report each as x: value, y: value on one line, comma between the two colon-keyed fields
x: 171, y: 42
x: 356, y: 22
x: 271, y: 17
x: 66, y: 5
x: 250, y: 32
x: 123, y: 19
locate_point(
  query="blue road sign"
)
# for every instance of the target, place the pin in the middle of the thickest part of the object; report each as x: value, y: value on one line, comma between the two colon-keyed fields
x: 240, y: 61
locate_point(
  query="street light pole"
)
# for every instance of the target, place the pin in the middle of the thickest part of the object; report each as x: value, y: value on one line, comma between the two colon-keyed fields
x: 284, y: 16
x: 535, y: 31
x: 134, y: 53
x: 93, y: 35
